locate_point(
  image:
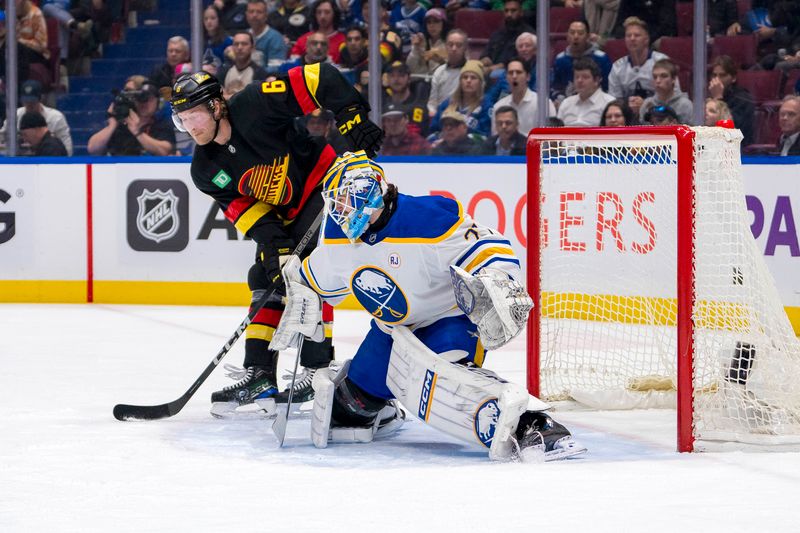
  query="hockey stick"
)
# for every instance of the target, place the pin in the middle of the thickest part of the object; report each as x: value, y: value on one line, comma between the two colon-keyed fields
x: 282, y: 418
x: 165, y: 410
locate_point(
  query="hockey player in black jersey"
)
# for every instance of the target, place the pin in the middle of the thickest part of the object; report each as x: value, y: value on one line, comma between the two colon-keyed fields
x: 265, y: 173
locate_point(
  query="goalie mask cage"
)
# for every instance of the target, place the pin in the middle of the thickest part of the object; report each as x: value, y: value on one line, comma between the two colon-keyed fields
x: 649, y: 289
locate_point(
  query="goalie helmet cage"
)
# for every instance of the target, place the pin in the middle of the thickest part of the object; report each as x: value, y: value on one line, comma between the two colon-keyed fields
x: 649, y: 289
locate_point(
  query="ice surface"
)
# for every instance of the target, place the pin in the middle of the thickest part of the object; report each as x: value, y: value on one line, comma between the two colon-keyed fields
x: 67, y: 465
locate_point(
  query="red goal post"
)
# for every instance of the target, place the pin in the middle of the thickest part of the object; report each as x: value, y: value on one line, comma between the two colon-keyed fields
x: 674, y: 311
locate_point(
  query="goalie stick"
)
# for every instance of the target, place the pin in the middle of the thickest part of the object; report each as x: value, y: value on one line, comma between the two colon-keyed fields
x: 165, y: 410
x: 282, y: 418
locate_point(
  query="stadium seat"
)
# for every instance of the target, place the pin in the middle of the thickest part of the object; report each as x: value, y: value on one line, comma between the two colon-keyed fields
x: 765, y: 131
x: 680, y: 50
x: 684, y: 12
x: 561, y: 17
x: 741, y: 48
x: 763, y: 84
x: 615, y: 48
x: 791, y: 81
x: 556, y: 47
x: 742, y: 7
x: 479, y: 24
x: 685, y: 78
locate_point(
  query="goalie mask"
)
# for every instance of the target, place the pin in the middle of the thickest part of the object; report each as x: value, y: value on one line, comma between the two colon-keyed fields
x: 353, y: 189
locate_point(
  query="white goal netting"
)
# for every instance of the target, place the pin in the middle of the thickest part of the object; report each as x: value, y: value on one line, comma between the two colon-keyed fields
x: 609, y: 268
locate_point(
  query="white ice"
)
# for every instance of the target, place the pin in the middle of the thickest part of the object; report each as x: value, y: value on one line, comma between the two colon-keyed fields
x: 67, y: 465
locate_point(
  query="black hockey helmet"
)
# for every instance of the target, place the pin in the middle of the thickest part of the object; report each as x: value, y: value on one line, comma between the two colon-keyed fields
x: 191, y: 90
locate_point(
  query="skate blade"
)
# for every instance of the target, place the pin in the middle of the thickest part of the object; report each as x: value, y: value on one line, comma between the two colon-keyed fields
x: 232, y: 410
x: 565, y: 449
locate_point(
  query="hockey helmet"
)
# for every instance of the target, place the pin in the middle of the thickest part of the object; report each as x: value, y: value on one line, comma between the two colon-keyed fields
x: 191, y: 90
x: 353, y: 189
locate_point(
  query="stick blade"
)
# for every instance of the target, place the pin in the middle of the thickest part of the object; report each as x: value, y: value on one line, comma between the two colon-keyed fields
x: 279, y: 425
x: 123, y: 412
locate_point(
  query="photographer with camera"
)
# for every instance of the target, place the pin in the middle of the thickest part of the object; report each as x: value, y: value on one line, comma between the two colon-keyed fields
x: 133, y: 128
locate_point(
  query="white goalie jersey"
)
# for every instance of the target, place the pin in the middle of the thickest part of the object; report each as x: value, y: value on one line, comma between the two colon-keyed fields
x: 401, y: 273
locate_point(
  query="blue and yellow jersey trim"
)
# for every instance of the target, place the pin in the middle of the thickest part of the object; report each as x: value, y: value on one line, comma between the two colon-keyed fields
x: 485, y: 252
x: 311, y: 280
x: 343, y: 164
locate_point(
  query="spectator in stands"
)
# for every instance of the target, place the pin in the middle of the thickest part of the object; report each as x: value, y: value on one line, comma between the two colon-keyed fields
x: 723, y: 87
x: 319, y: 123
x: 662, y: 115
x: 270, y: 47
x: 469, y: 101
x: 355, y: 53
x: 400, y: 138
x: 665, y: 76
x: 70, y: 26
x: 34, y: 132
x: 508, y: 140
x: 391, y: 44
x: 502, y: 43
x: 526, y: 51
x: 292, y: 19
x: 217, y: 40
x: 578, y: 45
x: 316, y: 51
x: 445, y: 78
x: 407, y: 19
x: 789, y: 122
x: 658, y: 15
x: 716, y: 110
x: 616, y: 114
x: 585, y: 107
x: 139, y: 132
x: 326, y: 20
x: 177, y: 53
x: 601, y: 16
x: 631, y: 76
x: 723, y: 17
x: 522, y: 99
x: 243, y: 68
x: 399, y: 94
x: 455, y: 138
x: 31, y: 39
x: 232, y: 14
x: 428, y: 49
x: 30, y: 96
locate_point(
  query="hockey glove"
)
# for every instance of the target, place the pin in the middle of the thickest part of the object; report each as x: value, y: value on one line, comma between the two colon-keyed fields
x: 493, y: 301
x: 273, y: 255
x: 354, y: 123
x: 303, y: 313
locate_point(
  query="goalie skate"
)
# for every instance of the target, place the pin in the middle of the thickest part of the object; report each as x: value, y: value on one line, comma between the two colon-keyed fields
x: 539, y: 438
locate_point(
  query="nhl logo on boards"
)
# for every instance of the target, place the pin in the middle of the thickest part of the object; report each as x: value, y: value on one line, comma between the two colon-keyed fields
x: 486, y: 420
x: 158, y: 215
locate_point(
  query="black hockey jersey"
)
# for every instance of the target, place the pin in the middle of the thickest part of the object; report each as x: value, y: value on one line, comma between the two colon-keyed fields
x: 270, y: 167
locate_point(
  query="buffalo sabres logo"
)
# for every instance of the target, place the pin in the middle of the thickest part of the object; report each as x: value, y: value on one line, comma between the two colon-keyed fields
x: 486, y: 420
x: 157, y: 218
x: 380, y: 295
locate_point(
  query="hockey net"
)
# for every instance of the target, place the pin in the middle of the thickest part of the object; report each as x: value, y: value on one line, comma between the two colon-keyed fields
x: 649, y: 288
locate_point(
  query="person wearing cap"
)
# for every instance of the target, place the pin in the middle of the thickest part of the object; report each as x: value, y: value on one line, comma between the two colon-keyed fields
x: 455, y: 138
x: 508, y: 140
x: 34, y: 132
x: 399, y: 93
x: 141, y: 132
x: 428, y: 50
x: 445, y: 78
x: 502, y: 43
x: 585, y: 107
x: 665, y: 76
x: 401, y: 139
x: 662, y: 115
x: 469, y: 100
x: 319, y: 123
x: 30, y: 96
x: 522, y: 99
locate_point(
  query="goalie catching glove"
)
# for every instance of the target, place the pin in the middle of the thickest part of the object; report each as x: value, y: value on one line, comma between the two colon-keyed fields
x: 303, y: 313
x: 493, y: 301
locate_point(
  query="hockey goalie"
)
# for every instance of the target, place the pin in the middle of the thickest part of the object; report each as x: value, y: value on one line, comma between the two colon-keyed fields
x: 442, y: 290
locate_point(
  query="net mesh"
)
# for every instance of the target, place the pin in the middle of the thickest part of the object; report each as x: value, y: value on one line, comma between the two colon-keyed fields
x: 608, y: 289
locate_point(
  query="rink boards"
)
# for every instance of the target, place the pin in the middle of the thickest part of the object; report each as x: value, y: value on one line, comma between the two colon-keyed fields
x: 127, y: 231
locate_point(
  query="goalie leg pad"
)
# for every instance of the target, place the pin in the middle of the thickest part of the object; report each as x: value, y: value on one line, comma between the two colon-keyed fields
x: 469, y: 403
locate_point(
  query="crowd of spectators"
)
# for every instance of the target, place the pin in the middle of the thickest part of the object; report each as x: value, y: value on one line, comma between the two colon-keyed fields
x: 444, y: 94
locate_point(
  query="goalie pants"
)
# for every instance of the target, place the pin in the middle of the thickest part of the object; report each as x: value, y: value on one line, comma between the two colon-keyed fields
x: 259, y: 332
x: 371, y: 363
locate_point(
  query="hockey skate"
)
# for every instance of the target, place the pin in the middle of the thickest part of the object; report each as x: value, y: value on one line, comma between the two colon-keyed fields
x: 539, y: 438
x: 303, y: 391
x: 256, y: 386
